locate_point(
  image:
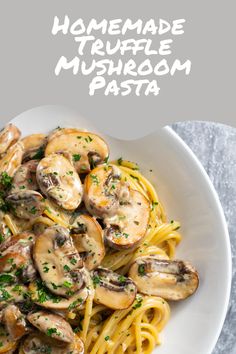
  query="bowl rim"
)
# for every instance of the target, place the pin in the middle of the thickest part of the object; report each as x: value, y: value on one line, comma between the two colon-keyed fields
x: 173, y: 135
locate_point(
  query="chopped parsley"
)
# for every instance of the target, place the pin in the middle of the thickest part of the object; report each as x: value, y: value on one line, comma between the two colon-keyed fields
x: 94, y: 179
x: 39, y: 154
x: 107, y: 338
x: 6, y: 278
x: 44, y: 294
x: 66, y: 268
x: 51, y: 331
x: 141, y: 269
x: 96, y: 280
x: 154, y: 204
x: 67, y: 284
x: 76, y: 157
x: 33, y: 210
x: 122, y: 279
x: 106, y: 159
x: 6, y: 180
x: 73, y: 261
x: 75, y: 303
x: 45, y: 269
x: 88, y: 139
x: 18, y: 288
x: 4, y: 295
x: 2, y: 238
x: 138, y: 303
x: 119, y: 161
x: 48, y: 210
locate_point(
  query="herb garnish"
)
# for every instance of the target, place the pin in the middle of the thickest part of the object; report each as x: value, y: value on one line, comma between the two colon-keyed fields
x: 76, y: 157
x: 141, y: 269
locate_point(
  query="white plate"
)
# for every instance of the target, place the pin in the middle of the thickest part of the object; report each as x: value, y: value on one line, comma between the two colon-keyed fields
x: 188, y: 196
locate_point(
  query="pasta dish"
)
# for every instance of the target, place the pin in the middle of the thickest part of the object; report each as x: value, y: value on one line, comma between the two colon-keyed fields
x: 86, y: 250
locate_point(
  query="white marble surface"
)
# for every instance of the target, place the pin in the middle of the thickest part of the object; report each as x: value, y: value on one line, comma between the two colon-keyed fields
x: 215, y: 146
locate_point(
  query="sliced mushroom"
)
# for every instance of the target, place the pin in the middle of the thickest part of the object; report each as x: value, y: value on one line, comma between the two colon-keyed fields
x: 11, y: 160
x: 58, y: 179
x: 7, y: 343
x: 52, y: 325
x: 43, y: 297
x: 12, y: 293
x: 16, y: 256
x: 87, y: 236
x: 26, y: 204
x: 58, y: 262
x: 103, y: 191
x: 25, y: 177
x: 86, y: 150
x: 16, y: 242
x: 34, y: 146
x: 8, y: 137
x: 14, y: 322
x: 39, y: 343
x: 128, y: 227
x: 172, y: 280
x: 113, y: 290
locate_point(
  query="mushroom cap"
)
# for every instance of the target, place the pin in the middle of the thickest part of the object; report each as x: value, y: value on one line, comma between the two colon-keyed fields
x: 80, y: 146
x: 39, y: 343
x: 102, y: 191
x: 128, y: 227
x: 58, y: 180
x: 14, y: 322
x: 171, y: 280
x: 16, y: 256
x: 52, y: 325
x: 26, y: 204
x: 8, y: 137
x: 58, y: 262
x: 87, y: 236
x: 24, y: 239
x: 12, y: 293
x: 59, y: 131
x: 25, y: 177
x: 113, y: 290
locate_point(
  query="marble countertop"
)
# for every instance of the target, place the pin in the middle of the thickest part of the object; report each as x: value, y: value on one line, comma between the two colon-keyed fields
x: 215, y: 146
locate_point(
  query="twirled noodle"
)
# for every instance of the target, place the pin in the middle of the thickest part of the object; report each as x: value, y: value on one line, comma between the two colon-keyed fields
x: 132, y: 330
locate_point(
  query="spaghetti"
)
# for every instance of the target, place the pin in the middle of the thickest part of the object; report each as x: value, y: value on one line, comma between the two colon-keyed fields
x: 100, y: 328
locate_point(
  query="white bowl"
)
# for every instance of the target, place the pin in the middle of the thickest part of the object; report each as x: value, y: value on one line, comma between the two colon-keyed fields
x: 189, y: 197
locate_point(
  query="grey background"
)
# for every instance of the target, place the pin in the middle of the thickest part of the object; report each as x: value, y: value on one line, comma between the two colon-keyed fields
x: 29, y: 54
x: 215, y: 146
